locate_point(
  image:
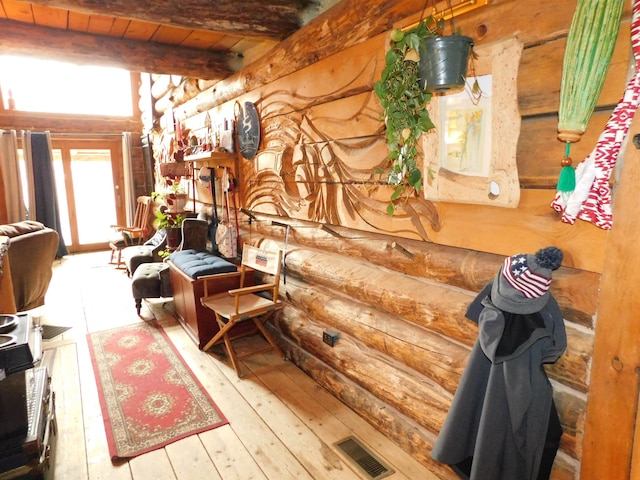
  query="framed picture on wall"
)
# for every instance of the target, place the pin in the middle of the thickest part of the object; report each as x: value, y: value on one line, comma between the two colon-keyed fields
x: 471, y: 157
x: 465, y: 123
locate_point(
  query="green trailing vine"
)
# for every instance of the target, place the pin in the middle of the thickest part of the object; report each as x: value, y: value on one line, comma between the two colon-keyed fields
x: 404, y: 104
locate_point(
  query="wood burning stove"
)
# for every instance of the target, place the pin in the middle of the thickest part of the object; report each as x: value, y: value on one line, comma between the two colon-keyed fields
x: 27, y: 405
x: 20, y: 346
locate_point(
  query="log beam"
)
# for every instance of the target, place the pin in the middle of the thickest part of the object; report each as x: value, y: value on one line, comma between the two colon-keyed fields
x: 345, y: 25
x: 133, y: 55
x: 266, y: 19
x: 405, y: 432
x: 575, y: 290
x: 63, y: 123
x: 437, y: 307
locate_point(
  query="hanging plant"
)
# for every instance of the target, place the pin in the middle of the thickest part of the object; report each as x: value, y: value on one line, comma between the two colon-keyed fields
x: 404, y: 108
x: 404, y: 91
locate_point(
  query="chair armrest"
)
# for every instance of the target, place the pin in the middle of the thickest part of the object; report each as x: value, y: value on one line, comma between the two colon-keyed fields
x: 255, y: 288
x: 119, y: 227
x: 129, y: 229
x: 215, y: 276
x: 155, y: 251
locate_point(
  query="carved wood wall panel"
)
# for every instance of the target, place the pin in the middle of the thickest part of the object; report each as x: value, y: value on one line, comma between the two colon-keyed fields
x: 324, y: 117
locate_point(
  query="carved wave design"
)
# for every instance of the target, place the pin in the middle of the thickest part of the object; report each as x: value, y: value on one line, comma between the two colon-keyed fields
x: 310, y: 168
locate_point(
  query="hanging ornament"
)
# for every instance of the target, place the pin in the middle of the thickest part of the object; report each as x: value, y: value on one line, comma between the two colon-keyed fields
x: 591, y: 200
x: 567, y: 179
x: 590, y: 44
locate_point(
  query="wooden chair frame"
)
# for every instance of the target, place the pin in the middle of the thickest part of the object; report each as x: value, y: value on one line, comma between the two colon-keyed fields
x: 134, y: 234
x: 242, y: 304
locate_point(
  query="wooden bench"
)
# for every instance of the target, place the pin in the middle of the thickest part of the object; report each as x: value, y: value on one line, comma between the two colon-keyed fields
x: 198, y: 321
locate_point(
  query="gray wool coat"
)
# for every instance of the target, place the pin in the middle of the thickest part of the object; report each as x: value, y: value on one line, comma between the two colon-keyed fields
x: 500, y: 411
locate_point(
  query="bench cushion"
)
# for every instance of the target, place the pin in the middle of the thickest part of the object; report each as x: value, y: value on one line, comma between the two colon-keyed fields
x: 198, y: 264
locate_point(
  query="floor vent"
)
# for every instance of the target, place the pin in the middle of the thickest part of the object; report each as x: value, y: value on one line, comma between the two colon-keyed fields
x: 363, y: 458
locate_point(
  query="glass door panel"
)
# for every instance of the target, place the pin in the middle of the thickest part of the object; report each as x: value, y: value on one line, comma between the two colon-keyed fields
x: 88, y: 181
x: 61, y: 193
x: 95, y: 207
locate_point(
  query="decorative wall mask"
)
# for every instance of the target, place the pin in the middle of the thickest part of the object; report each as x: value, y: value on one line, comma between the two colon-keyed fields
x: 248, y: 130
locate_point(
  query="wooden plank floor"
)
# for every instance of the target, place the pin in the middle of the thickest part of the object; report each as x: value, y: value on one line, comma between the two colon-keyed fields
x: 282, y: 425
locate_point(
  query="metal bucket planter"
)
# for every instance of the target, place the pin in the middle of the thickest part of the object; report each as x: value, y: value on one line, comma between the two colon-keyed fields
x: 443, y: 63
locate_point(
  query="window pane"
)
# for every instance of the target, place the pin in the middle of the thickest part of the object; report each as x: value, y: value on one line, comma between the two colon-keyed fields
x: 61, y: 194
x: 68, y: 88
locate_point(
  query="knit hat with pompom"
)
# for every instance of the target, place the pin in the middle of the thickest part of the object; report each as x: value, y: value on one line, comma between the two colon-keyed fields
x: 522, y: 284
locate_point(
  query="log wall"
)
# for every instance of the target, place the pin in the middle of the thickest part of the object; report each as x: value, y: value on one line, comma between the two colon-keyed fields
x: 396, y: 289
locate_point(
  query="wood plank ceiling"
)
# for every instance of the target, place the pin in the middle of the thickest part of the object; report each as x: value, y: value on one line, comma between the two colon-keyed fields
x: 207, y: 39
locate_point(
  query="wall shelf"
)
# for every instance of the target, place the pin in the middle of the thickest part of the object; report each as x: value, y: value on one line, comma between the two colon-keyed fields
x: 176, y: 169
x: 213, y: 159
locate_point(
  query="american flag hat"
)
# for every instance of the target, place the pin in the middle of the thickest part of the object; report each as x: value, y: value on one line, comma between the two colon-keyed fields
x: 522, y: 285
x: 520, y: 276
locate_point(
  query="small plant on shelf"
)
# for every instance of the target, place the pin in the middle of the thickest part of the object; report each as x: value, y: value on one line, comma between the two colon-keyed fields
x: 176, y: 197
x: 172, y: 224
x: 168, y: 220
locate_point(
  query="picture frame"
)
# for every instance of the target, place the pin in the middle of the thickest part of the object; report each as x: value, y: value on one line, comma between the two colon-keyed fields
x: 471, y: 157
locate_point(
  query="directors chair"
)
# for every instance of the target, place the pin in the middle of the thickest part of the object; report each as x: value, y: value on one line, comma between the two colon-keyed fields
x: 245, y: 303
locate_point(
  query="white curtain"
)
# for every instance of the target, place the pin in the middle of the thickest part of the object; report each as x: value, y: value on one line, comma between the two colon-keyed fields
x: 129, y: 192
x: 29, y: 174
x: 12, y: 185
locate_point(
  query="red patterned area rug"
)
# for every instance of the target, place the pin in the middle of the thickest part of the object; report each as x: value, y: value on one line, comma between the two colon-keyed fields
x: 149, y: 397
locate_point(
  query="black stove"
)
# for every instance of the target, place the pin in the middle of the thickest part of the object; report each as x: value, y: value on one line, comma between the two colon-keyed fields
x: 20, y: 345
x: 27, y: 404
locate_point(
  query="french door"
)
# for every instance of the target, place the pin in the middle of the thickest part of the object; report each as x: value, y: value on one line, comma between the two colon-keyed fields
x: 89, y: 185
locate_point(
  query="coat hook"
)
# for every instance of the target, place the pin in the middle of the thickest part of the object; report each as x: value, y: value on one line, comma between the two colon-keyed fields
x: 330, y: 231
x: 251, y: 216
x: 402, y: 250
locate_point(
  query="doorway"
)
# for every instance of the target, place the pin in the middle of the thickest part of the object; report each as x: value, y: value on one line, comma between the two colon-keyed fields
x: 89, y: 186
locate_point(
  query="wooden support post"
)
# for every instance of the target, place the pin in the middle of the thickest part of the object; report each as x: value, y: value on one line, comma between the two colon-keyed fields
x: 612, y: 405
